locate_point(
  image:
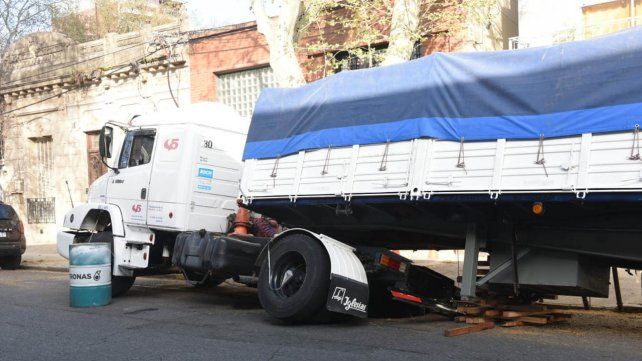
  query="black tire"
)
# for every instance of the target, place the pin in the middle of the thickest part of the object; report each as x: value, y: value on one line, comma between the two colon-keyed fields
x: 119, y: 284
x: 304, y: 296
x: 10, y: 262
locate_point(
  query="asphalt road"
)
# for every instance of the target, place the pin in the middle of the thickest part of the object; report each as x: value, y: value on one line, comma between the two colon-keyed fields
x: 165, y: 319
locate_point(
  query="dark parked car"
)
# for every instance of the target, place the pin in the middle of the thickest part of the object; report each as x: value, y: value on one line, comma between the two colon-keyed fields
x: 12, y: 238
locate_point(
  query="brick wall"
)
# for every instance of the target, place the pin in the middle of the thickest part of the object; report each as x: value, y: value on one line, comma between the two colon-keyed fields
x: 222, y: 51
x: 241, y: 46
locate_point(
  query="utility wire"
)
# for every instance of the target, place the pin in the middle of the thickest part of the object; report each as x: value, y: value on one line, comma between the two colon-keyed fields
x: 37, y: 102
x: 114, y: 70
x: 73, y: 64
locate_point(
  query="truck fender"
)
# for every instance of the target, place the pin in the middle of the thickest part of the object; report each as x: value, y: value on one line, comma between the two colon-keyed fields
x: 349, y: 289
x: 88, y: 217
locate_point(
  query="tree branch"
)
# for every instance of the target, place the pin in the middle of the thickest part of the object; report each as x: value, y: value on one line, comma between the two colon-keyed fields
x: 281, y: 34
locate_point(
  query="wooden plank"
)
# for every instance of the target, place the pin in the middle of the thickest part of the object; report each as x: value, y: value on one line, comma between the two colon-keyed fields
x: 472, y: 310
x: 468, y: 329
x: 513, y: 314
x: 475, y: 320
x: 492, y: 313
x: 512, y: 323
x: 535, y: 320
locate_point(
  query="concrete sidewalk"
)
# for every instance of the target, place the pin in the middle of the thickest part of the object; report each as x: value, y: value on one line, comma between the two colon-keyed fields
x: 44, y: 257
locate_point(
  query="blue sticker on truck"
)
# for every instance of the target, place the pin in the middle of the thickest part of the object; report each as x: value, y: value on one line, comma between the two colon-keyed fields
x: 204, y: 187
x: 205, y: 173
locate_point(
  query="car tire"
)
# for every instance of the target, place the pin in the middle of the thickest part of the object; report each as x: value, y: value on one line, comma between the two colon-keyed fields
x: 301, y: 294
x: 11, y: 262
x: 119, y: 284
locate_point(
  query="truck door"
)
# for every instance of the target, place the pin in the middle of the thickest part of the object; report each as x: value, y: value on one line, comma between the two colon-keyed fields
x: 129, y: 188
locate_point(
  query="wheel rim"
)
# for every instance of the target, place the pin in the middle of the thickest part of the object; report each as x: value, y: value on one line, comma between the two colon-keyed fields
x: 288, y: 274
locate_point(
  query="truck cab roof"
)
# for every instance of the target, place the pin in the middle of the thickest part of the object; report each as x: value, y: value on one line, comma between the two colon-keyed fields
x: 208, y: 114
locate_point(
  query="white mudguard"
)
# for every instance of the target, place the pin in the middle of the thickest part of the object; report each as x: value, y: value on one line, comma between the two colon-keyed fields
x: 349, y: 290
x: 131, y: 243
x: 82, y: 217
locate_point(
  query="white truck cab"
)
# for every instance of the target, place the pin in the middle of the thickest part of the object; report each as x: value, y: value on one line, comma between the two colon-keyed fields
x: 170, y: 172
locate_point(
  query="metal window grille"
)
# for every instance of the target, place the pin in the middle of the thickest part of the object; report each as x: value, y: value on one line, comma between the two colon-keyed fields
x: 41, y: 210
x: 41, y: 207
x: 241, y: 89
x: 44, y: 166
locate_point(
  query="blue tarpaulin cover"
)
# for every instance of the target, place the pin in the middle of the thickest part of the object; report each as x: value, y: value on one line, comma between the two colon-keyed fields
x: 568, y: 89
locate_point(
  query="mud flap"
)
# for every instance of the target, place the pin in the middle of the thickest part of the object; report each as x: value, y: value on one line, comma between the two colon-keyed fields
x: 347, y: 296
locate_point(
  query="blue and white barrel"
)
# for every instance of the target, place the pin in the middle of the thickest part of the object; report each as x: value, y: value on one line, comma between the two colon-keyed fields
x: 90, y: 274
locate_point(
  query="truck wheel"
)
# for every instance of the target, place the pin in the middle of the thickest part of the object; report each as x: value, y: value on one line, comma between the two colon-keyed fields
x: 119, y: 284
x: 10, y: 263
x: 297, y: 288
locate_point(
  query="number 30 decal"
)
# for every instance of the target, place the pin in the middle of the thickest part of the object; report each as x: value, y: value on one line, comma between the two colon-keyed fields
x: 171, y: 144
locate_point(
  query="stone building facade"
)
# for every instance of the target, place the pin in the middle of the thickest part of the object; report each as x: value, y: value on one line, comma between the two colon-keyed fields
x: 56, y: 95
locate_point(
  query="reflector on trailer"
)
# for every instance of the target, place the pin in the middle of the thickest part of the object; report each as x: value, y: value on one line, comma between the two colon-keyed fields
x: 406, y: 297
x: 538, y: 208
x: 392, y: 263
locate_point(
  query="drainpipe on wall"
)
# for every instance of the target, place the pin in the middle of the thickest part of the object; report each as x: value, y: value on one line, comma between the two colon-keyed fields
x: 632, y: 13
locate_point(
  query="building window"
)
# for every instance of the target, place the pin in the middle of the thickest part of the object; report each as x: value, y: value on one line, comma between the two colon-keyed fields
x: 41, y: 210
x: 350, y: 61
x: 42, y: 207
x: 241, y: 89
x: 42, y: 151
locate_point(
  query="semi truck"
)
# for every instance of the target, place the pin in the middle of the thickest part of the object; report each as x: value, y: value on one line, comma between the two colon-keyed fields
x: 531, y: 156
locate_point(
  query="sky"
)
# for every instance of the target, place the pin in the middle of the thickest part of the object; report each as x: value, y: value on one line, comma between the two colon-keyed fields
x: 205, y: 14
x: 214, y: 13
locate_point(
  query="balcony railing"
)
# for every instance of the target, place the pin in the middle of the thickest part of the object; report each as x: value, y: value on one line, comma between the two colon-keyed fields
x: 582, y: 32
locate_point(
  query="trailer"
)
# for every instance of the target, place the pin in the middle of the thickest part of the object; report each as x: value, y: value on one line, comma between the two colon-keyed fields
x: 531, y: 156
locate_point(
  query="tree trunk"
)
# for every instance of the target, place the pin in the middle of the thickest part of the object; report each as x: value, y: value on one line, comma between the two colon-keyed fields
x: 405, y: 21
x: 281, y: 33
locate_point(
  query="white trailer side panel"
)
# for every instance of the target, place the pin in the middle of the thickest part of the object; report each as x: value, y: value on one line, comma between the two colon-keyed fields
x: 424, y: 167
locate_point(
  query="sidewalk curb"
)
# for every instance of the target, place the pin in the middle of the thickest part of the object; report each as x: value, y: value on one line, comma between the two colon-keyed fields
x: 45, y: 268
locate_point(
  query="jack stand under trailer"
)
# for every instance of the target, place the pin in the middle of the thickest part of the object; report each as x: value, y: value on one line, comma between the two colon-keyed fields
x: 471, y: 255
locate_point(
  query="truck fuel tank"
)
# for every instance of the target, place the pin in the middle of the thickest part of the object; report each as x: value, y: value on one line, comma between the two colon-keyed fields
x: 205, y: 252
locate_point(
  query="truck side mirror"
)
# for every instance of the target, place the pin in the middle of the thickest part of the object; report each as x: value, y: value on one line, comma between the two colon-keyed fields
x: 104, y: 141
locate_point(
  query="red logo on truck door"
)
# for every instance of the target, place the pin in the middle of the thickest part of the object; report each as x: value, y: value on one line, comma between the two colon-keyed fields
x: 171, y: 144
x: 137, y: 208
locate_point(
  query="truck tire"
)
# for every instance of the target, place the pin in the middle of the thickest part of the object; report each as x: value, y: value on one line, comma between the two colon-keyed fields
x: 119, y: 284
x: 297, y: 288
x: 11, y: 262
